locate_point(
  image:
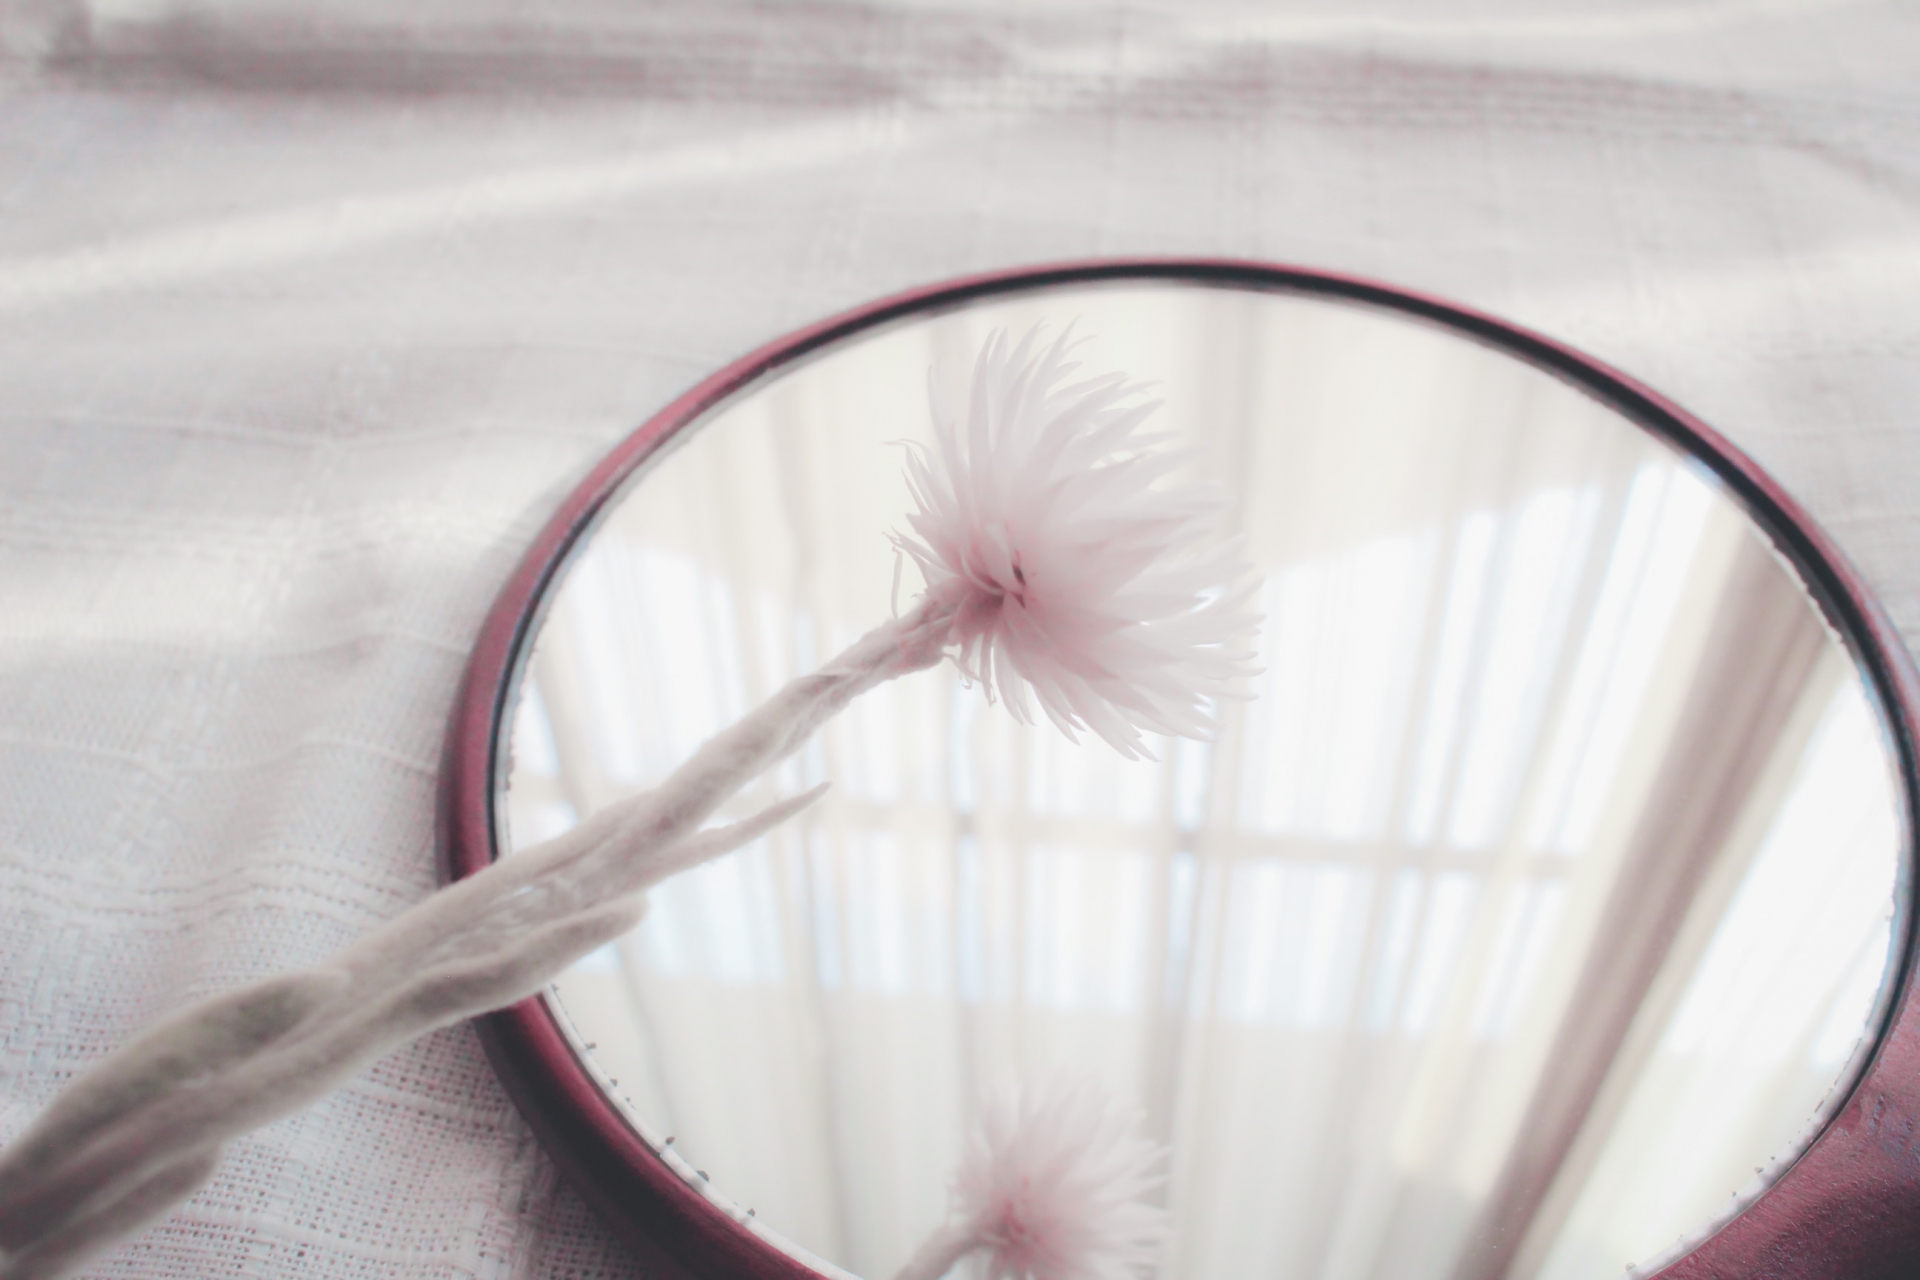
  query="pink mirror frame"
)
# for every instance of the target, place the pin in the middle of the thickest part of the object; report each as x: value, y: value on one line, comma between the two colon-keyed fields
x: 1848, y: 1206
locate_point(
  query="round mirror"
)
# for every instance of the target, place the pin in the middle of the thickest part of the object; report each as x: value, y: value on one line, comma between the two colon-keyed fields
x: 1539, y: 907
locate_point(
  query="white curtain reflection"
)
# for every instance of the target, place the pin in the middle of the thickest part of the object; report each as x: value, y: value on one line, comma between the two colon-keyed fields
x: 1334, y: 955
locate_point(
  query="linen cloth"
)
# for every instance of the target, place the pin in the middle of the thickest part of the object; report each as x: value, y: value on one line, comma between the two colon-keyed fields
x: 310, y: 313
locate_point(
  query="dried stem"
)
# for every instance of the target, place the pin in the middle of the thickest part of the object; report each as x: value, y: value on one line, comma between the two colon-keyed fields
x: 939, y: 1253
x: 142, y: 1128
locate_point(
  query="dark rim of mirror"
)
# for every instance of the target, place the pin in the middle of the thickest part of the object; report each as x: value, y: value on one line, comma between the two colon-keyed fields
x: 1849, y: 1205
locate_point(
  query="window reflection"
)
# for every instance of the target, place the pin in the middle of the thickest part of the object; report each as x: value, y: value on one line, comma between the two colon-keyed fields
x: 1333, y: 950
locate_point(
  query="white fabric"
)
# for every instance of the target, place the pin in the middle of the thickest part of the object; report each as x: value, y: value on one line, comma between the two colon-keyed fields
x: 310, y: 312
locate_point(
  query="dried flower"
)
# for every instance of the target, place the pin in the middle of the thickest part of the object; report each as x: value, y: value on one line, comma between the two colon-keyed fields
x: 1071, y: 563
x: 1052, y: 559
x: 1050, y: 1188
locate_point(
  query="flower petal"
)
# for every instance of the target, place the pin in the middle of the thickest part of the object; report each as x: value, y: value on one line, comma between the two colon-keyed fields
x: 1079, y: 567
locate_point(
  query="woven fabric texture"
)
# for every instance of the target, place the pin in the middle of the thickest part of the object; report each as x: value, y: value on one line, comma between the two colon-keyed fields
x: 310, y: 313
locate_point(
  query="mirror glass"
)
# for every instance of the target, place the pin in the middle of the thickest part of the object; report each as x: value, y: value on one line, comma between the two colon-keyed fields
x: 1522, y: 923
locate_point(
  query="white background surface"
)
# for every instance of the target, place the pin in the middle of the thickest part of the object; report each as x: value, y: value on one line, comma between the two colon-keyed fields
x: 309, y: 314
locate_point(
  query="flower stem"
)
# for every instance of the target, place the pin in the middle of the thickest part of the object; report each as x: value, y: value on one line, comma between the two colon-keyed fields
x: 939, y: 1253
x: 141, y: 1129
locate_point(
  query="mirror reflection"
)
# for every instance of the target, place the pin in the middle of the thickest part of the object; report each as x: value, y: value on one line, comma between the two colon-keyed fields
x: 1529, y: 911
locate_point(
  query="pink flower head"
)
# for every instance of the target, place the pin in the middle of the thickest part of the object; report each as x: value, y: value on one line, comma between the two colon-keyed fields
x: 1050, y: 1186
x: 1073, y: 565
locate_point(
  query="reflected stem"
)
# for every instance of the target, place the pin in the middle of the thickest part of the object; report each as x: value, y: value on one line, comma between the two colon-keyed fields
x: 939, y: 1253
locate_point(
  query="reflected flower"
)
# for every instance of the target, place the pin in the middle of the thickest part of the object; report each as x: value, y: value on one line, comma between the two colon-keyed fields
x: 1050, y: 1188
